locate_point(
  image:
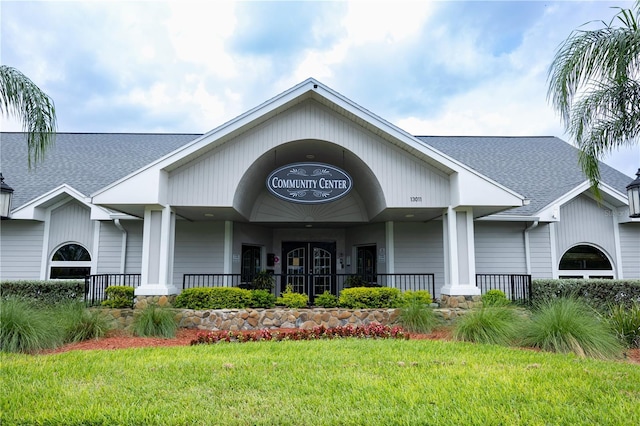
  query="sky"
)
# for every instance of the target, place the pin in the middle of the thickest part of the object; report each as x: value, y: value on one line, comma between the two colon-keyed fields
x: 474, y: 68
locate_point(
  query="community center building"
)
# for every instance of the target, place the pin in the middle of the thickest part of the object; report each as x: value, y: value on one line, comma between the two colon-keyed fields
x: 315, y: 189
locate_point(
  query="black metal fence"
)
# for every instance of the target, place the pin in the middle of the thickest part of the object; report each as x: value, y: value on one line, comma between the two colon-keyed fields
x: 95, y: 285
x: 517, y: 287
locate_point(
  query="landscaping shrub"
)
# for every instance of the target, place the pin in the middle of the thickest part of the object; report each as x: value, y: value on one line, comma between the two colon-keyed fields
x: 498, y: 325
x: 263, y: 281
x: 495, y: 298
x: 79, y: 323
x: 214, y: 298
x: 46, y: 292
x: 626, y: 323
x: 290, y: 299
x: 598, y: 293
x: 416, y: 316
x: 119, y: 296
x: 570, y: 325
x: 155, y: 321
x: 326, y: 300
x: 370, y: 297
x: 26, y: 328
x: 355, y: 281
x: 262, y: 299
x: 421, y: 296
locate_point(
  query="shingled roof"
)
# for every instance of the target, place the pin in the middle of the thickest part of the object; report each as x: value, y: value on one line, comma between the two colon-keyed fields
x: 540, y: 168
x: 85, y: 161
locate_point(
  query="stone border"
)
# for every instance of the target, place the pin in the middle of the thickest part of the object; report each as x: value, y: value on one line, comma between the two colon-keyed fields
x: 256, y: 319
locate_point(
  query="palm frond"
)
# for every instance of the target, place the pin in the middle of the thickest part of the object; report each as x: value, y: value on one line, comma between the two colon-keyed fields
x: 22, y: 99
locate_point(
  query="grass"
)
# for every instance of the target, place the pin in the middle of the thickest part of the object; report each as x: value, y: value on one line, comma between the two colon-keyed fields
x: 335, y: 382
x: 78, y: 323
x: 498, y: 325
x: 568, y: 325
x: 417, y: 317
x: 625, y: 321
x: 26, y: 328
x: 155, y: 321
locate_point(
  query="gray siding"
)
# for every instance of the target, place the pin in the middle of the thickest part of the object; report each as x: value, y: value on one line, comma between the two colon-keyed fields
x: 109, y: 249
x: 540, y: 252
x: 583, y: 221
x: 630, y: 248
x: 199, y: 249
x: 21, y: 249
x: 419, y: 249
x: 70, y: 223
x: 499, y: 248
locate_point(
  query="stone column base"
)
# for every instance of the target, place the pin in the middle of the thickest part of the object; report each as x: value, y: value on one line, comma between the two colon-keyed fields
x: 460, y: 302
x: 141, y: 302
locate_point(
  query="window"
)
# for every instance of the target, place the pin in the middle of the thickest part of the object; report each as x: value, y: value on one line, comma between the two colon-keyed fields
x: 251, y: 262
x: 585, y: 261
x: 69, y: 262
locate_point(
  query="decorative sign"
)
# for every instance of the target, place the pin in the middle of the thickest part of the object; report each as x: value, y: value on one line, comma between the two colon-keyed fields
x: 309, y: 183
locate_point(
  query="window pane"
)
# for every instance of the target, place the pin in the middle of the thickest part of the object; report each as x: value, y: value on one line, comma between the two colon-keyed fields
x: 71, y: 253
x: 60, y: 273
x: 585, y: 258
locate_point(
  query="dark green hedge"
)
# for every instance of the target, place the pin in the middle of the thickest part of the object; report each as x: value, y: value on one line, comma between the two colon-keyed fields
x: 49, y: 292
x: 598, y: 293
x: 370, y: 297
x: 214, y: 298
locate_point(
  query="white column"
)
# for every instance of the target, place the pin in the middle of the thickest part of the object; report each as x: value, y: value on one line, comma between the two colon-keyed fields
x: 459, y: 253
x: 228, y: 251
x: 157, y: 250
x: 390, y: 252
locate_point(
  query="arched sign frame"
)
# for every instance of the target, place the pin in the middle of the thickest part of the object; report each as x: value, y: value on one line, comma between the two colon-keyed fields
x: 309, y: 183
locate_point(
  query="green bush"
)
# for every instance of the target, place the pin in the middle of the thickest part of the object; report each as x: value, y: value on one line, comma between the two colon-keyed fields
x: 421, y: 296
x: 355, y: 281
x: 45, y: 292
x: 26, y: 328
x: 155, y: 321
x: 79, y: 323
x: 598, y: 293
x: 214, y: 298
x: 292, y: 300
x: 417, y: 317
x: 494, y: 298
x: 570, y: 325
x: 119, y: 296
x: 262, y: 299
x: 326, y: 300
x: 370, y: 297
x: 497, y: 325
x: 626, y: 323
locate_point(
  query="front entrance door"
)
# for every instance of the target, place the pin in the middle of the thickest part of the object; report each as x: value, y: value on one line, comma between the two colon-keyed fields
x: 309, y: 267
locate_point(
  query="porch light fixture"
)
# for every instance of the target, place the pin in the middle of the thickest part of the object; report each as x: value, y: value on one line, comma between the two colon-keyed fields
x: 633, y: 192
x: 6, y: 194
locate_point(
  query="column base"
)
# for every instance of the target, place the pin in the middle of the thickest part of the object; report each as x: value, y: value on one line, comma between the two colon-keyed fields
x: 460, y: 290
x: 460, y: 302
x: 156, y: 290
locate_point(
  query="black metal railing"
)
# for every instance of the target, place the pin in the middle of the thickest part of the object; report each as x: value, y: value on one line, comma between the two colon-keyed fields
x: 308, y: 283
x: 95, y: 285
x: 517, y: 287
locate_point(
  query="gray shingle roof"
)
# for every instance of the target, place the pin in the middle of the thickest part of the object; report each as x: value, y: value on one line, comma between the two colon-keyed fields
x: 85, y: 161
x: 540, y: 168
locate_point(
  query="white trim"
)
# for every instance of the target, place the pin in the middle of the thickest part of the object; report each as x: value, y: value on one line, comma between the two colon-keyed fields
x: 44, y: 260
x: 165, y: 243
x: 228, y: 247
x: 508, y: 218
x: 618, y: 250
x: 452, y: 227
x: 35, y: 209
x: 554, y: 250
x: 471, y: 244
x: 390, y: 237
x: 146, y: 243
x: 96, y: 246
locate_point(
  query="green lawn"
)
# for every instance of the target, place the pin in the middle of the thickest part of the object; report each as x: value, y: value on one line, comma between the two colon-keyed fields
x: 337, y: 382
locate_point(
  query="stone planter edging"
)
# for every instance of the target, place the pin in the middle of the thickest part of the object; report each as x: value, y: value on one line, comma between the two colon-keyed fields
x: 256, y: 319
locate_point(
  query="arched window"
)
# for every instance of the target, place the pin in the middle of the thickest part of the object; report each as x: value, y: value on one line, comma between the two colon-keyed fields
x: 71, y: 261
x: 584, y: 261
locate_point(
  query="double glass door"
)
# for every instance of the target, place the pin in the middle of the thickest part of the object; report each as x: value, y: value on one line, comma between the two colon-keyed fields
x: 309, y: 267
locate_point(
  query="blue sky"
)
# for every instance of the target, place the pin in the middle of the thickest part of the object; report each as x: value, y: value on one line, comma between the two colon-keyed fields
x: 431, y: 68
